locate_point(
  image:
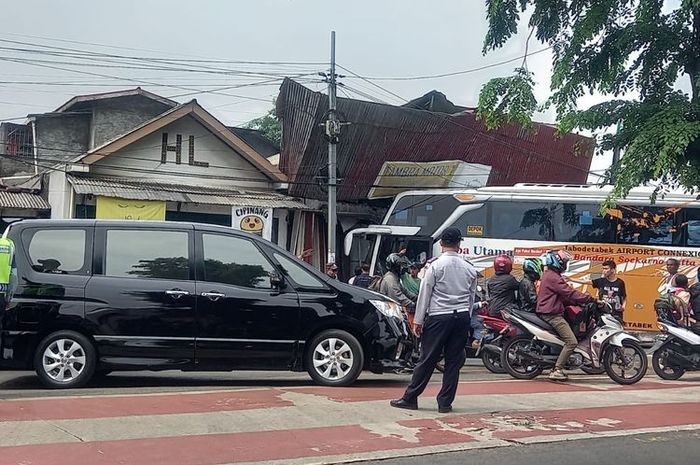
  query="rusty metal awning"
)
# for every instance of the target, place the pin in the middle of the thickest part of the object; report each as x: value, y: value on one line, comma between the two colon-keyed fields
x: 23, y: 200
x: 138, y: 189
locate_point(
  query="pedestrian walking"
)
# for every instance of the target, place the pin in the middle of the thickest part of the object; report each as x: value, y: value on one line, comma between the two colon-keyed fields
x: 442, y: 320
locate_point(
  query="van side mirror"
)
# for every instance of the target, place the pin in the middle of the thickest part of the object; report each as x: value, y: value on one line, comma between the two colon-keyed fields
x: 277, y: 280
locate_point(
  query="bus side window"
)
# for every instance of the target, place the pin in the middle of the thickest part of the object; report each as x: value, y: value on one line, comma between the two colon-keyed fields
x: 646, y: 225
x: 583, y: 223
x: 692, y: 227
x: 521, y: 220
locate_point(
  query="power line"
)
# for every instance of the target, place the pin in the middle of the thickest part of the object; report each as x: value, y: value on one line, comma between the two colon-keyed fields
x: 455, y: 73
x: 180, y: 174
x: 52, y: 39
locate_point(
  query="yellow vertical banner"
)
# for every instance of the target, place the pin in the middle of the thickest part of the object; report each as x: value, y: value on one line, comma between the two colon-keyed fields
x: 112, y: 208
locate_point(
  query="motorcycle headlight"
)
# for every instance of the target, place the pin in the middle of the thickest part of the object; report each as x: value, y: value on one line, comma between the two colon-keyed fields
x: 390, y: 309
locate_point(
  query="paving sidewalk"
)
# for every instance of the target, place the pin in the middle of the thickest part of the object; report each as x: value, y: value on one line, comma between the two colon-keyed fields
x: 316, y: 425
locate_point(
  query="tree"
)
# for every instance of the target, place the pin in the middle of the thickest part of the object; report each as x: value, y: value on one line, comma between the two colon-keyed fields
x: 632, y: 51
x: 269, y: 125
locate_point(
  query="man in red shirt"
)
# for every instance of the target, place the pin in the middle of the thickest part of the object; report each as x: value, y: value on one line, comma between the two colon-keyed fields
x: 553, y: 297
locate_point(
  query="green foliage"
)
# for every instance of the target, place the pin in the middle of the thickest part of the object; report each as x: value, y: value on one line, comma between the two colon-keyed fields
x: 269, y: 125
x: 634, y: 52
x: 508, y: 100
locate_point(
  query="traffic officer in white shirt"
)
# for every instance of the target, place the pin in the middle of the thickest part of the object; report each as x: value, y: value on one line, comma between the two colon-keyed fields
x: 442, y: 320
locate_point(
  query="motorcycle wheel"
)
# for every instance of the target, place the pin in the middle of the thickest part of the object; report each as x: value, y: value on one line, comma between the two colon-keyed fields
x: 625, y: 357
x: 664, y: 371
x: 492, y: 362
x: 511, y: 360
x: 593, y: 370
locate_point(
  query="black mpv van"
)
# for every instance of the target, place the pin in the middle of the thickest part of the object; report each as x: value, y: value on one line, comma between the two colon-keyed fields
x: 96, y: 296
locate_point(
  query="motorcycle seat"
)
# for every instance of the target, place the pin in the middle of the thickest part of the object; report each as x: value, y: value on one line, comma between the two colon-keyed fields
x: 534, y: 319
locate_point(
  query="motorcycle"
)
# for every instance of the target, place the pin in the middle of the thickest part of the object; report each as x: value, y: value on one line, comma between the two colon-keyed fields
x: 602, y: 343
x: 498, y: 333
x: 676, y: 351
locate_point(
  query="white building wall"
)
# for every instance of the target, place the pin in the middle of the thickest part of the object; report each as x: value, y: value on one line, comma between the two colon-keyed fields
x: 142, y: 159
x: 61, y: 196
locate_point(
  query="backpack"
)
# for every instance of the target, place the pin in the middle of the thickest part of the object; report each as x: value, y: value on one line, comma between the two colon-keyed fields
x: 376, y: 283
x: 670, y: 307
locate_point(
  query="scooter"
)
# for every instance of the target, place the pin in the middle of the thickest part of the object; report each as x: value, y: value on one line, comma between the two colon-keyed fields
x: 676, y: 351
x: 498, y: 333
x: 602, y: 343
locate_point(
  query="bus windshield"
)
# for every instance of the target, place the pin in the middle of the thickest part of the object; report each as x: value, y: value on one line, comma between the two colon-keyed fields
x: 428, y: 212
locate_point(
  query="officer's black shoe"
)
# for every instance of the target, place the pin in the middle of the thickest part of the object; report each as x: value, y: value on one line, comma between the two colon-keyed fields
x: 446, y: 409
x: 400, y: 403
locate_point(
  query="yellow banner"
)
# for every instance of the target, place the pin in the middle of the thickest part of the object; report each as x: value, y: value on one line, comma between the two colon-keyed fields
x: 112, y: 208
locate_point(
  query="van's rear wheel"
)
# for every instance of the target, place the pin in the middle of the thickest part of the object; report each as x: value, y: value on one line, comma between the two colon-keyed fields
x: 65, y: 359
x: 334, y: 358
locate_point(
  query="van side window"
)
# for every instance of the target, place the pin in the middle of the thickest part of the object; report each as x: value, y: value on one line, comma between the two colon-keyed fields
x: 144, y: 253
x: 235, y: 261
x: 298, y: 274
x: 59, y: 251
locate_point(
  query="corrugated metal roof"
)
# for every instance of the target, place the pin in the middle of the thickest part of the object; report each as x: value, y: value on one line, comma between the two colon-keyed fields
x: 23, y: 200
x: 140, y: 189
x: 381, y: 132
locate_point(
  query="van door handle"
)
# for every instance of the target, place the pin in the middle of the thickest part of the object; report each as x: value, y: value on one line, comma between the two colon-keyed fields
x: 176, y: 293
x: 213, y: 296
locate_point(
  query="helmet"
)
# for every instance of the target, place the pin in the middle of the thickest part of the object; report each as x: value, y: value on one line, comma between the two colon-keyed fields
x: 557, y: 259
x: 503, y: 264
x: 533, y: 266
x: 395, y: 262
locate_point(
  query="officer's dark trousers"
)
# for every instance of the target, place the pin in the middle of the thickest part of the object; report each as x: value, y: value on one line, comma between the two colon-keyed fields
x: 446, y: 334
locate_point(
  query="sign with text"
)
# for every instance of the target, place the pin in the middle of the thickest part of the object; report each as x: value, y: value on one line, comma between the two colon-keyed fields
x: 399, y: 176
x: 254, y: 220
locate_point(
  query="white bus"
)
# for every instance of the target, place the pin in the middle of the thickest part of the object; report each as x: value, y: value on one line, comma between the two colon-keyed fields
x: 526, y: 220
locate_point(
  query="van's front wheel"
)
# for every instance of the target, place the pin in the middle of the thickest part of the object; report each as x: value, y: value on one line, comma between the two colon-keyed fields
x: 65, y: 359
x: 334, y: 358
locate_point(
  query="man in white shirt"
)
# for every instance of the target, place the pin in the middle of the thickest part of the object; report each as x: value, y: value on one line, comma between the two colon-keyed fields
x: 442, y: 320
x: 672, y: 266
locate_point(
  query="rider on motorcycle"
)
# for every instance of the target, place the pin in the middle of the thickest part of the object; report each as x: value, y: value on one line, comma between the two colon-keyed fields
x: 554, y: 295
x: 391, y: 282
x: 532, y: 269
x: 502, y: 288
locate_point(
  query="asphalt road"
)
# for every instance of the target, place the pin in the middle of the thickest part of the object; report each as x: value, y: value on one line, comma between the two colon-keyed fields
x: 24, y: 384
x: 675, y: 448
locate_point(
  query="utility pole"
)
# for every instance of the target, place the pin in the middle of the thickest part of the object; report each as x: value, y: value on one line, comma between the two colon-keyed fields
x: 332, y: 132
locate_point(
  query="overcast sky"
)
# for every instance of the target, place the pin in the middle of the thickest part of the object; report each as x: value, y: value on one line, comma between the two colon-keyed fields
x: 388, y: 38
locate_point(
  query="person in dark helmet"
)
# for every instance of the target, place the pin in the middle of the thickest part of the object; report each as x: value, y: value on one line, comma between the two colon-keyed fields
x: 527, y: 289
x: 442, y: 320
x: 391, y: 282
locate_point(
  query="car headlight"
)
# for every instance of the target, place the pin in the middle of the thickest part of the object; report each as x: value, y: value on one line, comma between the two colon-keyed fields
x: 391, y: 309
x: 662, y: 327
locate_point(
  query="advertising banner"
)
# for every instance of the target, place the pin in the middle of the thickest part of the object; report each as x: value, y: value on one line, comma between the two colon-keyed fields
x: 112, y: 208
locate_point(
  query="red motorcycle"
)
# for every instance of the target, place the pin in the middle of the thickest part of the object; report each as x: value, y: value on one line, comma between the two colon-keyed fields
x: 498, y: 333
